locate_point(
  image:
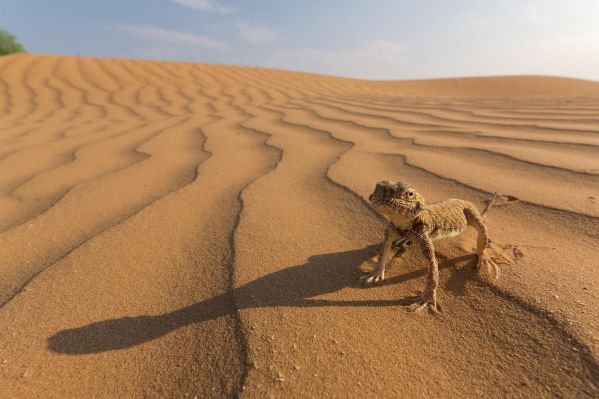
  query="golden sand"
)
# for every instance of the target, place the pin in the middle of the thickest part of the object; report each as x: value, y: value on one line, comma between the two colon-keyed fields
x: 176, y: 229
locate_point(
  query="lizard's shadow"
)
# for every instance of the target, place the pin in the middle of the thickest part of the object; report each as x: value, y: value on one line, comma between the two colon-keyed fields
x: 295, y: 286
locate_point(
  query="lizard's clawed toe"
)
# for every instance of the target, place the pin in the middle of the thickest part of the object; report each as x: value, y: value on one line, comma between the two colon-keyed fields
x: 489, y: 266
x: 373, y: 277
x: 425, y: 301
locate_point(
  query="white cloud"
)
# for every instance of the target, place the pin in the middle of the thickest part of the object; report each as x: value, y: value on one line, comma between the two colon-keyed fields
x: 204, y: 5
x: 381, y: 59
x: 568, y: 56
x: 534, y: 15
x: 256, y: 34
x: 166, y: 36
x: 171, y: 53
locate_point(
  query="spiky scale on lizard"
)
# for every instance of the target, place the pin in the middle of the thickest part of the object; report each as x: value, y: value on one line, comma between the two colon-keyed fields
x: 412, y: 219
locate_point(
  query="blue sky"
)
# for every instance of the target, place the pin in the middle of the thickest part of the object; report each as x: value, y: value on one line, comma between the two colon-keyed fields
x: 374, y: 39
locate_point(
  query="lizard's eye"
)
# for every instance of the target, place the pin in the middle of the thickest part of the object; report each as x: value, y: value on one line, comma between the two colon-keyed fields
x: 410, y: 193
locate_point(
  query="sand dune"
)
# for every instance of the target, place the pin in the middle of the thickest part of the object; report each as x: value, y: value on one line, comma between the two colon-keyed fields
x: 175, y: 229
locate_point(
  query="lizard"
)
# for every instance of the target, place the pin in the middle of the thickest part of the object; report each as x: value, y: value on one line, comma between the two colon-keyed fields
x: 411, y: 219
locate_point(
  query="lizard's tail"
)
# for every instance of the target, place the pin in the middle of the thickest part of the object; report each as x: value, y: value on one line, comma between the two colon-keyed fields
x: 483, y: 214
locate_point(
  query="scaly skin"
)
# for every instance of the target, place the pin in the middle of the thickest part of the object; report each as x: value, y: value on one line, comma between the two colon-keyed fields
x: 411, y: 219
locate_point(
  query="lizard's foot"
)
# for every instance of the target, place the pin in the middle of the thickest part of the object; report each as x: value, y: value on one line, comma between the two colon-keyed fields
x: 427, y: 299
x: 373, y: 277
x: 489, y: 265
x: 400, y: 248
x: 401, y: 242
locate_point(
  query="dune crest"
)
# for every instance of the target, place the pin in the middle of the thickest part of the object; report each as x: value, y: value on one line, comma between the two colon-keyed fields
x: 177, y: 229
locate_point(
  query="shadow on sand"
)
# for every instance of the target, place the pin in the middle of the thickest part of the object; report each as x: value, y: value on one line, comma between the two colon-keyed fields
x: 291, y: 287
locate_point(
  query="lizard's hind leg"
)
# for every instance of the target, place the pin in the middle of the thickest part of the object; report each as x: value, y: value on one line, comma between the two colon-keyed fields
x: 482, y: 242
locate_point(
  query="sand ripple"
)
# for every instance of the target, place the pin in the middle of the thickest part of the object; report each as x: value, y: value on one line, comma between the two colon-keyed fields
x: 173, y: 229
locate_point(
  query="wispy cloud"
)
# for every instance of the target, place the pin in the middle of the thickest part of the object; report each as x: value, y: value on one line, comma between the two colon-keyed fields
x: 156, y: 35
x: 256, y: 34
x: 567, y: 56
x: 381, y: 59
x: 534, y: 15
x: 171, y: 53
x: 205, y: 5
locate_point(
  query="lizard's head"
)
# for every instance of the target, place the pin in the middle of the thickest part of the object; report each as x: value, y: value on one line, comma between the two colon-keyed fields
x: 391, y: 198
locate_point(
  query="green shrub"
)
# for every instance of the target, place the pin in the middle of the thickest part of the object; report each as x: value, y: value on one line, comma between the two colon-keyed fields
x: 9, y: 44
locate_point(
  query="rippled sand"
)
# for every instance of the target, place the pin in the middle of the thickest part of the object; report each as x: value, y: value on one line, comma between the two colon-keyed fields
x: 174, y: 229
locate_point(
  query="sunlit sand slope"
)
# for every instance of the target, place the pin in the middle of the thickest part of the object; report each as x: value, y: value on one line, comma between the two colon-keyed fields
x: 181, y: 230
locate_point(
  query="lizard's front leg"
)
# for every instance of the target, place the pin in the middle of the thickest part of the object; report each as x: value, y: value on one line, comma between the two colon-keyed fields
x: 378, y: 274
x: 429, y: 296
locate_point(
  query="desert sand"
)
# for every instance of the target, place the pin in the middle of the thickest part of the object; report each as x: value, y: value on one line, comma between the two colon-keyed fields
x: 193, y: 230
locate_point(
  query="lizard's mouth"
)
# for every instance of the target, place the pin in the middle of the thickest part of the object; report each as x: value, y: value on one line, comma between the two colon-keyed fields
x: 380, y: 203
x: 375, y: 200
x: 385, y: 205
